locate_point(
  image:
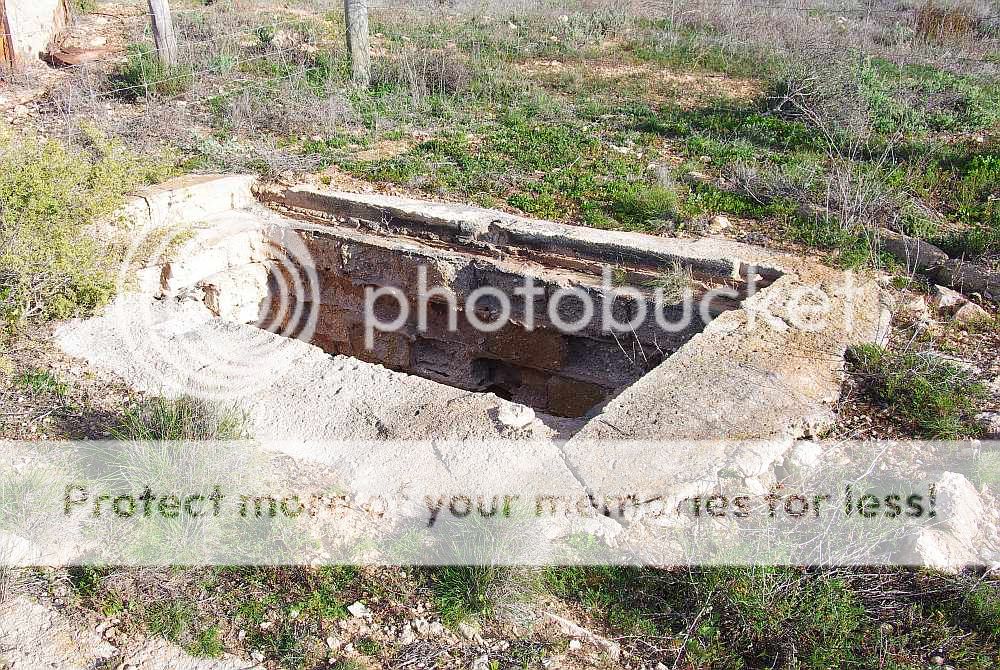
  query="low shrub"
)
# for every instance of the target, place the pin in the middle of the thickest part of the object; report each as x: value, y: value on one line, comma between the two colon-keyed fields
x: 50, y: 268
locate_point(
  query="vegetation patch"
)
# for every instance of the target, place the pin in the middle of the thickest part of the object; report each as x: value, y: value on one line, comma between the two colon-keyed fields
x: 933, y: 395
x: 50, y: 268
x: 144, y: 74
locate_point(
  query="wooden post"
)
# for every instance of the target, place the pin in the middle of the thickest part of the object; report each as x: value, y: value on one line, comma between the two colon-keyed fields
x: 356, y: 17
x: 163, y: 31
x: 7, y: 60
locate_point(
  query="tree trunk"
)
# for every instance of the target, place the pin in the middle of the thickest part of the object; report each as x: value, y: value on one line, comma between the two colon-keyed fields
x: 356, y: 17
x: 163, y: 31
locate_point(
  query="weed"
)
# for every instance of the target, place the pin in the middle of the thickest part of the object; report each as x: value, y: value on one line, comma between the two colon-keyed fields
x: 638, y: 206
x: 169, y: 619
x: 982, y: 608
x: 41, y: 381
x: 347, y: 664
x: 207, y: 643
x: 182, y: 419
x: 938, y: 23
x: 368, y: 646
x: 84, y: 6
x: 144, y: 74
x: 464, y: 591
x: 935, y: 396
x: 606, y: 592
x: 673, y: 282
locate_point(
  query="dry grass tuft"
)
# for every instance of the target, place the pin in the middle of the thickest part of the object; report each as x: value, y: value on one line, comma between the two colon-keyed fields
x: 938, y: 23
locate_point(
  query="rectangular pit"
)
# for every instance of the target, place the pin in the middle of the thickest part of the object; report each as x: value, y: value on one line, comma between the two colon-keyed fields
x: 355, y: 247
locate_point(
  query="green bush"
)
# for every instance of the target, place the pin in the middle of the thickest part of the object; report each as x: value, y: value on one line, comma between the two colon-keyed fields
x: 938, y: 398
x: 143, y: 74
x: 50, y: 268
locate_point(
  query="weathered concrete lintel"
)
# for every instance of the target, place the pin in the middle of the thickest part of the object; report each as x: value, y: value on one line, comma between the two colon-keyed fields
x: 467, y: 224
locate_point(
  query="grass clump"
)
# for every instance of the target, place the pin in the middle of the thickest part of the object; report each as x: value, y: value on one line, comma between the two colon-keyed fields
x: 144, y: 74
x: 50, y: 268
x: 185, y: 418
x: 207, y: 643
x: 41, y: 381
x: 169, y: 619
x: 463, y: 592
x: 937, y: 22
x: 918, y: 99
x: 937, y: 398
x: 673, y: 282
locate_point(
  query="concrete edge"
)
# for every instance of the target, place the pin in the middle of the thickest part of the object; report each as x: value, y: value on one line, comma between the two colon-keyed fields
x: 469, y: 223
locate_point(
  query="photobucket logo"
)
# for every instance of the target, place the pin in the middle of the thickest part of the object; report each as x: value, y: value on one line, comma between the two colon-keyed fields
x: 671, y: 306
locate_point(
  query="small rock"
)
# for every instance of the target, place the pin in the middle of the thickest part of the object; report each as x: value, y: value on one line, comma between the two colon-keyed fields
x: 947, y: 299
x: 971, y: 313
x: 718, y: 224
x: 958, y: 505
x: 358, y: 610
x: 990, y: 422
x: 803, y: 456
x: 575, y: 645
x: 467, y: 630
x: 941, y: 550
x: 515, y: 416
x: 407, y: 636
x: 917, y: 307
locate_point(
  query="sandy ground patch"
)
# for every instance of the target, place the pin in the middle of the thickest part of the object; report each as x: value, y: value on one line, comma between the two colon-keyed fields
x: 656, y: 84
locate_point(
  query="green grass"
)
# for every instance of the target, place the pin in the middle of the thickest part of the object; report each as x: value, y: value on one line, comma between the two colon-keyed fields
x: 463, y: 592
x: 900, y: 99
x: 612, y: 593
x: 41, y: 381
x: 183, y: 418
x: 742, y: 617
x: 169, y: 619
x: 936, y: 398
x: 551, y: 168
x: 368, y: 646
x: 207, y: 643
x: 760, y: 617
x: 144, y: 74
x: 981, y: 608
x: 347, y: 665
